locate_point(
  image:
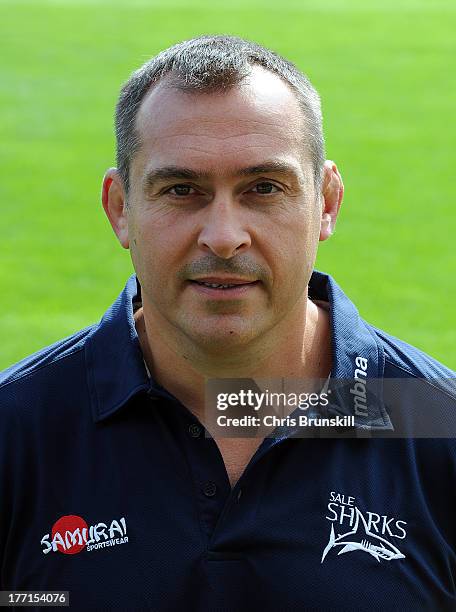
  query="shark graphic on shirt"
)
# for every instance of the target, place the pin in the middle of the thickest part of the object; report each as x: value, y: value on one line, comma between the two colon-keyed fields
x: 361, y: 538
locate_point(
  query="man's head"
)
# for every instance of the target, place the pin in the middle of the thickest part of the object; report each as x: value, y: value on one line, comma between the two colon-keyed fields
x: 223, y: 188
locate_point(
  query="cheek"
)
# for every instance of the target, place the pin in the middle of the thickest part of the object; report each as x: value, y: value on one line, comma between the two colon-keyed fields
x: 294, y: 256
x: 158, y: 247
x: 144, y: 250
x: 297, y: 240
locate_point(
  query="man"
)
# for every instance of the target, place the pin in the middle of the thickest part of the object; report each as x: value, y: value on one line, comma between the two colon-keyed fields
x: 111, y: 488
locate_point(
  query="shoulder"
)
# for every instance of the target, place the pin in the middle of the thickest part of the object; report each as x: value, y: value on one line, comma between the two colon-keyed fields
x: 46, y: 367
x: 407, y: 361
x: 409, y: 358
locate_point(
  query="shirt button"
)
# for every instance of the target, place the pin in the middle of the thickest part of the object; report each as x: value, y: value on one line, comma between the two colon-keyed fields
x: 194, y: 430
x: 210, y: 489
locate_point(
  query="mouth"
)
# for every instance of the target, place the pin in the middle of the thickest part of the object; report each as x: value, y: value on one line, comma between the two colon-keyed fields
x: 223, y: 287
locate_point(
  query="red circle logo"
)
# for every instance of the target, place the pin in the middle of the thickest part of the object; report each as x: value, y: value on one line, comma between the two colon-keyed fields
x: 70, y: 529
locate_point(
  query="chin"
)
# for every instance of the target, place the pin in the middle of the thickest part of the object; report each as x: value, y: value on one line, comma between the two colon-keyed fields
x: 218, y: 339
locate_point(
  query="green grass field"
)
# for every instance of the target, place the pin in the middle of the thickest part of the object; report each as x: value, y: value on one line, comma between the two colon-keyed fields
x: 385, y: 71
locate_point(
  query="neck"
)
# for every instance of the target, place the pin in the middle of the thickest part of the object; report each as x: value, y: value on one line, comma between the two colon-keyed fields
x: 293, y: 349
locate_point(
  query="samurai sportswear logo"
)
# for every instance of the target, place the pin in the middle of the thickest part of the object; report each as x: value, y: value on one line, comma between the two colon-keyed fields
x: 362, y: 531
x: 70, y: 534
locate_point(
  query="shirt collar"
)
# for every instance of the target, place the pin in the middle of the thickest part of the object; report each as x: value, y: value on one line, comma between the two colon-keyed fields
x: 354, y: 344
x: 116, y: 370
x: 114, y: 360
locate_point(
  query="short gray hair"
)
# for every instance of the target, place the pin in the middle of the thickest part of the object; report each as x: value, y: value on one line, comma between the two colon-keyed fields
x: 212, y: 63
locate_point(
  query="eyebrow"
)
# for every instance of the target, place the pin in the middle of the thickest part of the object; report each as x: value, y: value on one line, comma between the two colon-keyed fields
x: 183, y: 173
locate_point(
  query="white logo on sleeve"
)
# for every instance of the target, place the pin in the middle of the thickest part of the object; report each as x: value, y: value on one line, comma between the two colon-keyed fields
x: 368, y: 532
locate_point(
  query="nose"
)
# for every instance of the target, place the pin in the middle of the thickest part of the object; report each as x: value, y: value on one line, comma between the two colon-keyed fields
x: 222, y: 231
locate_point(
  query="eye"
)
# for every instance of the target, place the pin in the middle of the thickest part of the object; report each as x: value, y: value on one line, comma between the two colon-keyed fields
x: 265, y: 188
x: 181, y: 190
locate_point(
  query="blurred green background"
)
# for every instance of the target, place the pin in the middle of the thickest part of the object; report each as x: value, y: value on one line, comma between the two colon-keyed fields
x: 386, y: 74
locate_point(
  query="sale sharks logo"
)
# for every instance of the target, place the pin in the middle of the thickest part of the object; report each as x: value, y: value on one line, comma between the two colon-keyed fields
x: 367, y: 532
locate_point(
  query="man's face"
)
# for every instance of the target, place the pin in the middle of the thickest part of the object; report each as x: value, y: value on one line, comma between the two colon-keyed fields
x: 222, y: 193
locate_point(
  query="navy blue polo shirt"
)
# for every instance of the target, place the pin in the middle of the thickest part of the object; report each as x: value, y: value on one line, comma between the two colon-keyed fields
x: 109, y: 488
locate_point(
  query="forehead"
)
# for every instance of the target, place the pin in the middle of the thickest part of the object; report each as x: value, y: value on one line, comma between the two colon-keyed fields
x: 259, y: 119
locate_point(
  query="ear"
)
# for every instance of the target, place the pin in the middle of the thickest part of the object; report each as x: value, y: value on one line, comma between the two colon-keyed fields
x: 332, y: 191
x: 114, y: 204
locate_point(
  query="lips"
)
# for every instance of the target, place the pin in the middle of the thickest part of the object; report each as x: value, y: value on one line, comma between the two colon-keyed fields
x: 223, y: 285
x: 218, y: 286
